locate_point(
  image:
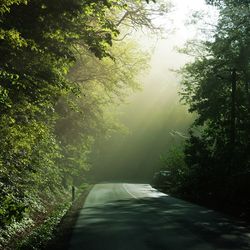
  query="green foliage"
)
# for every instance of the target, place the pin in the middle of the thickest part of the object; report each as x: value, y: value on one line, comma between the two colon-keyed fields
x: 174, y: 162
x: 43, y: 233
x: 11, y: 231
x: 5, y: 5
x: 216, y: 87
x: 85, y: 117
x: 49, y: 119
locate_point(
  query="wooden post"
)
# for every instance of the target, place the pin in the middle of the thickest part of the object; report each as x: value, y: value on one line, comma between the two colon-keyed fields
x: 73, y: 193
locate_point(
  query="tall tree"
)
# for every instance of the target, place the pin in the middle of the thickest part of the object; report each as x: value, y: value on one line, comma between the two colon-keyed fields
x: 216, y: 86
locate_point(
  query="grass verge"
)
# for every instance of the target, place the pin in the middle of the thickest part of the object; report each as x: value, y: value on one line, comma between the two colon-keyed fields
x: 56, y: 230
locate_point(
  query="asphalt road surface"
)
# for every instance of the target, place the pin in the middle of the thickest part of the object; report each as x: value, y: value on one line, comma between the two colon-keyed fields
x: 121, y: 216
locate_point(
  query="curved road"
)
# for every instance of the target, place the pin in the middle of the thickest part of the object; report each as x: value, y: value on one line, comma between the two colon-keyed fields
x: 121, y: 216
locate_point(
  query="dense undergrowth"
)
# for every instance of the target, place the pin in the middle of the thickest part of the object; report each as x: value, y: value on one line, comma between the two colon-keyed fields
x: 44, y: 232
x: 36, y: 230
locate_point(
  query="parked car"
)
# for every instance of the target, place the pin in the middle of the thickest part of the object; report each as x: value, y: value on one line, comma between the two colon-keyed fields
x: 162, y: 179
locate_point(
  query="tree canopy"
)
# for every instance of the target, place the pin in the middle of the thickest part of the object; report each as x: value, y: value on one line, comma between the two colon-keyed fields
x: 62, y: 65
x: 215, y: 86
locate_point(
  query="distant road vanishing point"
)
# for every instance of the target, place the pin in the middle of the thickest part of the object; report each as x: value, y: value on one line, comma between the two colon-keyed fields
x: 122, y: 216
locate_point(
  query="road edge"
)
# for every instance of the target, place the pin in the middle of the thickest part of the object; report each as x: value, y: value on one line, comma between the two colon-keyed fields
x: 63, y: 232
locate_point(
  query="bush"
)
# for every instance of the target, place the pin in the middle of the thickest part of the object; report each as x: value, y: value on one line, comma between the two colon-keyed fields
x: 174, y: 164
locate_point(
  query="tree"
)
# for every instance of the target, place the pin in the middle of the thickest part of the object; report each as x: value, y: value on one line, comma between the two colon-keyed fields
x: 216, y: 86
x: 50, y: 115
x: 102, y: 84
x: 37, y: 49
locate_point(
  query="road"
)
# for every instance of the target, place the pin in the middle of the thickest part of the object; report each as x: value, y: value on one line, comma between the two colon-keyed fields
x: 122, y: 216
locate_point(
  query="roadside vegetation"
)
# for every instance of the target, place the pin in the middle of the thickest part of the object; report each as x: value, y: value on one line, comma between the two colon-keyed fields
x: 213, y: 166
x: 63, y: 65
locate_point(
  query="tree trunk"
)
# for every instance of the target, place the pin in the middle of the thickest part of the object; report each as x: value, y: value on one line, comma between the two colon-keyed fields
x: 233, y: 117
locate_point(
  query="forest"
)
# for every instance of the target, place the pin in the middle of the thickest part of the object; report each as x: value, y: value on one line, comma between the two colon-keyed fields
x: 212, y: 166
x: 65, y: 64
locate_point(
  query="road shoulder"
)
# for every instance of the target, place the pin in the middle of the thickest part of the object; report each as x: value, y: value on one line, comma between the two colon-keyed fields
x: 63, y: 231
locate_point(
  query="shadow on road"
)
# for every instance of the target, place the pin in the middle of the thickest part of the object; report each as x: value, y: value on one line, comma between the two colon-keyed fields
x: 157, y: 223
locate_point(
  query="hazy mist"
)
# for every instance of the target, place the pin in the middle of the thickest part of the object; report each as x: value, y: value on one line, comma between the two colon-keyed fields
x: 153, y: 115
